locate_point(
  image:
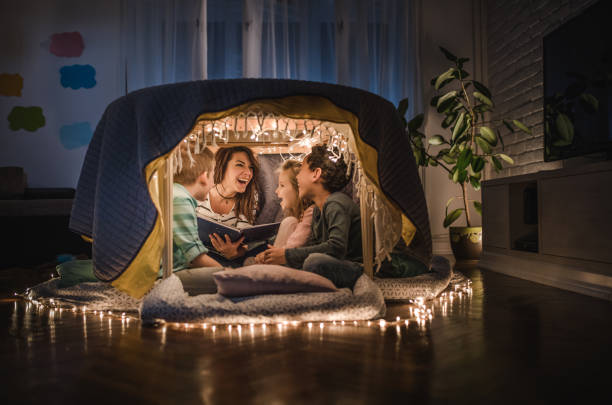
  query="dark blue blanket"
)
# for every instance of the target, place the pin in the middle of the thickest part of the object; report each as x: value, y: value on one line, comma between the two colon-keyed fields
x: 112, y: 203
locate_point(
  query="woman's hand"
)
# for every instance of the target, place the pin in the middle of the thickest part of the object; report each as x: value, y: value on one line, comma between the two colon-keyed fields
x: 228, y: 249
x: 274, y: 255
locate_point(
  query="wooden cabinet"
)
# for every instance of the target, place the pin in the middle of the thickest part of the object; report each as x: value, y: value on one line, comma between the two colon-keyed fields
x: 553, y: 227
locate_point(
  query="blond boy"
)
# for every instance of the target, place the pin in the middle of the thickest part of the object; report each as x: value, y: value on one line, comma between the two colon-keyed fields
x: 193, y: 182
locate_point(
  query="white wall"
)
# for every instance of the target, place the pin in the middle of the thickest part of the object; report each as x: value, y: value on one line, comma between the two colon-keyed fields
x: 455, y: 26
x: 25, y: 30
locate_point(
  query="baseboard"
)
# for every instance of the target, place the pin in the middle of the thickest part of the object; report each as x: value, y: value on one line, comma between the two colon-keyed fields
x: 566, y: 277
x: 441, y: 245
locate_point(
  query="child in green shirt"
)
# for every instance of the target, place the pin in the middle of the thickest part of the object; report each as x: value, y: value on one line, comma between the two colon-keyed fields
x: 193, y: 182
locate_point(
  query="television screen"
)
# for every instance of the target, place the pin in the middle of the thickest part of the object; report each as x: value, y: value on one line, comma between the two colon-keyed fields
x: 578, y: 86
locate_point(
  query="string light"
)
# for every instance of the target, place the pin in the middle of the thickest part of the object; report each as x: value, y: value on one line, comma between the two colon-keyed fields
x: 421, y: 311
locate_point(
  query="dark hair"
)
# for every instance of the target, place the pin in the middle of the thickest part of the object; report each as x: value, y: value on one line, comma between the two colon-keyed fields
x: 333, y: 172
x: 245, y: 202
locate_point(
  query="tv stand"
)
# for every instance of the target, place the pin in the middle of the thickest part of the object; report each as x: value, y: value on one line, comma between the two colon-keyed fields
x: 552, y: 227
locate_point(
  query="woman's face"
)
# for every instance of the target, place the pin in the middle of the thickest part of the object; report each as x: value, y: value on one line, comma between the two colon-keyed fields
x: 238, y: 173
x: 285, y: 191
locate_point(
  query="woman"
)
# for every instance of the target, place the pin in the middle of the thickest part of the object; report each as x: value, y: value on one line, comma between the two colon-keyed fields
x: 232, y: 200
x: 295, y: 227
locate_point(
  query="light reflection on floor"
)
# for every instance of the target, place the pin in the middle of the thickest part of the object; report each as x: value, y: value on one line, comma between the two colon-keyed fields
x: 417, y: 314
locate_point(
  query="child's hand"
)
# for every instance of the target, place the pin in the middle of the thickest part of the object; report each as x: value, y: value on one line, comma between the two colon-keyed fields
x: 228, y: 249
x: 259, y: 259
x: 274, y: 255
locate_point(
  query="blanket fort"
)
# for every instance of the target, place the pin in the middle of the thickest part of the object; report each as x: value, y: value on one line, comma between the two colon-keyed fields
x: 118, y: 205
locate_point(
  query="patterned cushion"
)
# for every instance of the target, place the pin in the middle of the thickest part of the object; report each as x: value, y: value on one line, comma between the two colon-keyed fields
x: 426, y: 286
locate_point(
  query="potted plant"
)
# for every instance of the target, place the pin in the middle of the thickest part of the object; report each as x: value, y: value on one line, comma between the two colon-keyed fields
x: 465, y: 147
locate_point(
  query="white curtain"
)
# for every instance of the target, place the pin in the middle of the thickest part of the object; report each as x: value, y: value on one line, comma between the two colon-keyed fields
x: 162, y: 42
x: 369, y: 44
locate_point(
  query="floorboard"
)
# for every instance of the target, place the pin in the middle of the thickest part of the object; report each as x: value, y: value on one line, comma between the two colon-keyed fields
x: 510, y: 341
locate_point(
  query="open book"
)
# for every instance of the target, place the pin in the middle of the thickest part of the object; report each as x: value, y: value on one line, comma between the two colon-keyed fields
x: 254, y: 233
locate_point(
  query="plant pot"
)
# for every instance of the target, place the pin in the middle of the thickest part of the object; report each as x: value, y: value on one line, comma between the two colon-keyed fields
x: 466, y: 242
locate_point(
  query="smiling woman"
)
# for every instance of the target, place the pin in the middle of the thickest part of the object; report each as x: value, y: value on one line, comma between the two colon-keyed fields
x: 232, y: 201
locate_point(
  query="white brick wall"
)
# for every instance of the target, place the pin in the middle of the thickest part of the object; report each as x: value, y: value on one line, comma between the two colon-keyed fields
x: 515, y: 29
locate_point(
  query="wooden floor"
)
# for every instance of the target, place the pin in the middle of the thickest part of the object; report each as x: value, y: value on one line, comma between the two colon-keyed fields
x: 511, y: 341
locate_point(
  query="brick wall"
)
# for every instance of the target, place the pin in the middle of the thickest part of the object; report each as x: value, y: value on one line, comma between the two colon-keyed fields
x: 514, y: 33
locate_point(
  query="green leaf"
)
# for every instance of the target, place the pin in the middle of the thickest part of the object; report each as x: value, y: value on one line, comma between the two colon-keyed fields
x: 449, y: 120
x: 464, y: 159
x: 443, y: 78
x: 448, y: 96
x: 488, y: 135
x: 565, y: 128
x: 475, y: 182
x: 496, y: 163
x: 437, y: 140
x: 478, y: 207
x: 478, y: 164
x: 590, y: 101
x: 448, y: 55
x: 458, y: 107
x: 456, y: 175
x: 458, y: 129
x: 482, y: 88
x: 402, y: 107
x: 447, y: 106
x: 418, y: 156
x: 507, y: 124
x: 452, y: 217
x: 416, y: 122
x: 442, y: 152
x: 448, y: 159
x: 483, y: 99
x: 434, y: 100
x: 481, y: 109
x: 463, y: 175
x: 521, y: 126
x: 432, y: 162
x: 501, y: 139
x: 461, y: 61
x: 463, y: 73
x: 506, y: 158
x: 484, y: 145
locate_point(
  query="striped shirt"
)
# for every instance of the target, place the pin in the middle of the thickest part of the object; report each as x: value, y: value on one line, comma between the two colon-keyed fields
x: 186, y: 241
x: 230, y: 219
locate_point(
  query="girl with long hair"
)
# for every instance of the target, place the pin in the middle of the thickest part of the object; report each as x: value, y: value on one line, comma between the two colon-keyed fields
x: 295, y: 227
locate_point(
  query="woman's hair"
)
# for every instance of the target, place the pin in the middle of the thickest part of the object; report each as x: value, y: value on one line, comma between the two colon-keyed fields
x: 333, y: 171
x: 292, y: 167
x: 246, y: 202
x: 193, y: 165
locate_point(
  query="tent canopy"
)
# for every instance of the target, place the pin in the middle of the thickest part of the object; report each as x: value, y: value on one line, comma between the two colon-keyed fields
x: 116, y: 207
